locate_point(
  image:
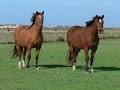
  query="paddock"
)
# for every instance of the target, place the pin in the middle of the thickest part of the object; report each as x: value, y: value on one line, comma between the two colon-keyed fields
x: 54, y: 74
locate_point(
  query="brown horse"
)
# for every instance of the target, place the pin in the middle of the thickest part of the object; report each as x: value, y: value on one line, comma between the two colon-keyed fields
x: 84, y: 38
x: 28, y: 37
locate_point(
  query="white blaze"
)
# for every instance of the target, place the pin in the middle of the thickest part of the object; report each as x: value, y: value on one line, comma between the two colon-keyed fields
x: 100, y: 20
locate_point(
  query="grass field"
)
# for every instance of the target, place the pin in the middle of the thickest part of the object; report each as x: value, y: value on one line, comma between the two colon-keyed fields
x: 55, y: 75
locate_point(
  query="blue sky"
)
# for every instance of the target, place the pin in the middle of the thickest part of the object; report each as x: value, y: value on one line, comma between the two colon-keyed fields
x: 60, y: 12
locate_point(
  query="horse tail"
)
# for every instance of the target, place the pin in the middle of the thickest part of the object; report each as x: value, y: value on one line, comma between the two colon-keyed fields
x: 69, y: 57
x: 14, y: 52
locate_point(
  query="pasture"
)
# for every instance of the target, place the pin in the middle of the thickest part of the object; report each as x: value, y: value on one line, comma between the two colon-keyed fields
x: 54, y: 74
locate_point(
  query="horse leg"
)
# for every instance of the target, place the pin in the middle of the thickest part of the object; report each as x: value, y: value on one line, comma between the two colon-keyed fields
x: 87, y: 59
x: 23, y: 61
x: 72, y: 57
x: 91, y: 59
x: 19, y: 51
x: 37, y: 56
x: 29, y: 56
x: 69, y: 56
x: 76, y: 51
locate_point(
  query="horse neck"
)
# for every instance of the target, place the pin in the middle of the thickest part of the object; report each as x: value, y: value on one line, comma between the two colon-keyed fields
x: 94, y: 30
x: 37, y: 26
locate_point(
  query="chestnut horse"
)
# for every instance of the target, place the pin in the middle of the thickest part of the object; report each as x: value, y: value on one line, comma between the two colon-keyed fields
x: 28, y: 37
x: 86, y: 38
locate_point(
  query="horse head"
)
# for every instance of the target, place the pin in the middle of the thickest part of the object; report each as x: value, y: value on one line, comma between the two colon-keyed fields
x: 98, y: 20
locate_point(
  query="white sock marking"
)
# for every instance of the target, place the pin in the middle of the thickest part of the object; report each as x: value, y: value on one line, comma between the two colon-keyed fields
x: 92, y: 70
x: 74, y: 67
x: 23, y: 63
x: 19, y: 64
x: 37, y: 68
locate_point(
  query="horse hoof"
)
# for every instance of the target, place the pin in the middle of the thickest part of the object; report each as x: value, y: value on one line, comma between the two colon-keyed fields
x: 74, y: 68
x: 37, y: 68
x: 27, y: 66
x: 24, y: 67
x: 91, y: 70
x: 20, y: 68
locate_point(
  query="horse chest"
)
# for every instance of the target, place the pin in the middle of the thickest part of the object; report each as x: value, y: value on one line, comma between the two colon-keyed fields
x: 37, y: 41
x: 93, y: 44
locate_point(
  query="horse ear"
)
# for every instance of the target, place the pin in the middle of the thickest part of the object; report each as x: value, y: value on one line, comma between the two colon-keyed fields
x: 102, y: 16
x: 36, y: 12
x: 42, y: 12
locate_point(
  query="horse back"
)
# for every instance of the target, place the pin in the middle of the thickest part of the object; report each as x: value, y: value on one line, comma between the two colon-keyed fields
x: 80, y: 37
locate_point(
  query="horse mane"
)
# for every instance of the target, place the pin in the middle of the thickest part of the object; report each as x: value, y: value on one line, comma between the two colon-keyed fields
x: 33, y: 19
x: 91, y: 22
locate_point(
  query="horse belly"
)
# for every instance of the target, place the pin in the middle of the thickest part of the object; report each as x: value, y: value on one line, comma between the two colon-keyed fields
x: 21, y: 43
x: 77, y: 44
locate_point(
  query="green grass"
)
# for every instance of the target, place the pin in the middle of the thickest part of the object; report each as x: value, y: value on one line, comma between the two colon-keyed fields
x: 53, y: 73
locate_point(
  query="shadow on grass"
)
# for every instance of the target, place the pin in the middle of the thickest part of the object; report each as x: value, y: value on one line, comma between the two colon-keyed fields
x: 107, y: 68
x: 79, y: 67
x: 102, y: 68
x: 52, y: 66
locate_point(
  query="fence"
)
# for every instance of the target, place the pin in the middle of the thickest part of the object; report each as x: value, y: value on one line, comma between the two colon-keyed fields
x: 6, y: 36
